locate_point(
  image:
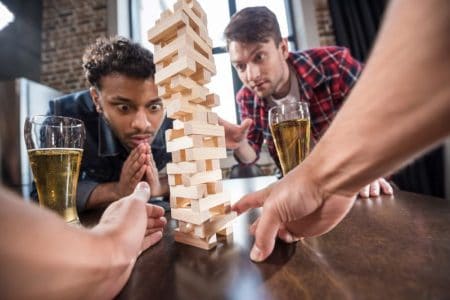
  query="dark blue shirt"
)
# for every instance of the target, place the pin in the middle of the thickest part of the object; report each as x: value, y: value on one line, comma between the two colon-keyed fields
x: 103, y: 154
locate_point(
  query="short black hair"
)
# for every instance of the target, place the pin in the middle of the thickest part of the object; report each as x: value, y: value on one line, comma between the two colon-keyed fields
x: 116, y: 55
x: 253, y: 25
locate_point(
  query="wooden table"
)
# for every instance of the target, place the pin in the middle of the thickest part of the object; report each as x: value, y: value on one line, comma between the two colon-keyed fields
x: 386, y: 248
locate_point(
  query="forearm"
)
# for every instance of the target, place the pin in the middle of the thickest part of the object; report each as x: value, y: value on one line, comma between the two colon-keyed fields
x: 53, y: 260
x: 400, y: 104
x: 245, y: 153
x: 103, y: 194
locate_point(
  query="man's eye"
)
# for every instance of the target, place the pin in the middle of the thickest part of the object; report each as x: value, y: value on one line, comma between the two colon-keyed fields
x: 123, y: 107
x: 240, y: 67
x: 259, y: 57
x: 155, y: 107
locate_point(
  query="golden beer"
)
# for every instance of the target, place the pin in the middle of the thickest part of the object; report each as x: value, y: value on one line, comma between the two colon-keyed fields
x: 55, y: 172
x: 291, y: 139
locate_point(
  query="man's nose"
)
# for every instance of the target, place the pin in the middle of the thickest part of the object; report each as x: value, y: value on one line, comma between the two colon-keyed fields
x: 253, y: 72
x: 141, y: 121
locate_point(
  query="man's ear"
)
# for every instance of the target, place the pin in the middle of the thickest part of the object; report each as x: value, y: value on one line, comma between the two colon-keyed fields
x: 96, y: 99
x: 284, y: 48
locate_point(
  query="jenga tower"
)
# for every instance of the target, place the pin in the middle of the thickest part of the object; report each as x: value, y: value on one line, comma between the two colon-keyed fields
x: 184, y: 63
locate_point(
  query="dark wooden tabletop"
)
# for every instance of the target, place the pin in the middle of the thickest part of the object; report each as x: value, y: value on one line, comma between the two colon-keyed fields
x: 386, y: 248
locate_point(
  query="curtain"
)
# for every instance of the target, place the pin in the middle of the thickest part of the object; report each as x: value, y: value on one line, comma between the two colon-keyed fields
x: 356, y: 24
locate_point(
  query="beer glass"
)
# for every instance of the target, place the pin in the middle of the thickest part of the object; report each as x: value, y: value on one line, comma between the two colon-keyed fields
x: 290, y: 126
x: 55, y: 148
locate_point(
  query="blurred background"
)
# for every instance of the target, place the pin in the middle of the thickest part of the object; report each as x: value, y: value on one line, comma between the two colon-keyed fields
x: 42, y: 41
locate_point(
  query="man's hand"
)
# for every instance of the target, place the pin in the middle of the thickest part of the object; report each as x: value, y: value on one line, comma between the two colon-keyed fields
x: 379, y: 186
x: 134, y: 224
x: 151, y: 175
x: 235, y: 135
x: 293, y: 207
x: 133, y: 170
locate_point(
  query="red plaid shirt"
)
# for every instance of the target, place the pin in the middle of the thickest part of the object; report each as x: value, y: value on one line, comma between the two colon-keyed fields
x: 325, y: 77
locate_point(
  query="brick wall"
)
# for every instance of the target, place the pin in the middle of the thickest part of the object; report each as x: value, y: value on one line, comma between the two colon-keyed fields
x: 324, y: 23
x: 68, y: 26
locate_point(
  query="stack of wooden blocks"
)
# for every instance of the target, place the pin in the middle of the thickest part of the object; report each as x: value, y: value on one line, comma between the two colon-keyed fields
x: 184, y: 64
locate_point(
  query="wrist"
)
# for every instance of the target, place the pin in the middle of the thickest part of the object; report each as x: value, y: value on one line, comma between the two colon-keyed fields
x: 117, y: 192
x: 332, y: 177
x: 245, y: 153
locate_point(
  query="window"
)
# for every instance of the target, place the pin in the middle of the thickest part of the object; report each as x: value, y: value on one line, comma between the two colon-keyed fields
x: 146, y: 12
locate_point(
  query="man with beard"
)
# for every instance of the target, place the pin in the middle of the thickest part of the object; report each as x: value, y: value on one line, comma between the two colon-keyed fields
x: 322, y: 77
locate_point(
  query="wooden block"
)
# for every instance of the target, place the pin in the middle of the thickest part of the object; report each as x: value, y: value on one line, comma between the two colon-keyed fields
x: 177, y: 124
x: 221, y: 209
x: 214, y: 187
x: 172, y: 134
x: 210, y: 201
x: 205, y: 153
x: 163, y: 92
x: 212, y: 118
x: 227, y: 231
x: 194, y: 127
x: 178, y: 108
x: 191, y: 192
x: 185, y: 227
x: 159, y: 67
x: 199, y: 44
x: 201, y: 177
x: 197, y: 24
x: 179, y: 202
x: 184, y: 45
x: 184, y: 65
x: 168, y: 51
x: 187, y: 140
x: 189, y: 239
x: 219, y: 223
x: 186, y: 167
x: 183, y: 84
x: 178, y: 156
x: 195, y: 95
x: 174, y: 179
x: 198, y: 10
x: 165, y: 29
x: 212, y: 100
x: 184, y: 142
x: 198, y: 116
x: 214, y: 141
x: 187, y: 215
x: 165, y: 14
x: 205, y: 62
x: 212, y: 164
x: 201, y: 76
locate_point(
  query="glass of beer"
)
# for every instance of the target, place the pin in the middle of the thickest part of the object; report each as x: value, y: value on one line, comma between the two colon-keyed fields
x: 290, y: 126
x: 55, y: 148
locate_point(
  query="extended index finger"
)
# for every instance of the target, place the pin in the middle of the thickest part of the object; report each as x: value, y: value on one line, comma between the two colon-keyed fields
x: 252, y: 200
x: 265, y: 233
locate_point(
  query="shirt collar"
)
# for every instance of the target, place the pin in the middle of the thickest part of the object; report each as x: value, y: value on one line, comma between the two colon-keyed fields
x: 306, y: 69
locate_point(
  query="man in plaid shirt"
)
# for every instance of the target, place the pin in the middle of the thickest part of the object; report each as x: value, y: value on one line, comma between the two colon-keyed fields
x: 271, y: 74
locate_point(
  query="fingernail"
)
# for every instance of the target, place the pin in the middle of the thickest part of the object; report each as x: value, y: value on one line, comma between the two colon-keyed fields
x: 142, y: 186
x: 289, y: 238
x: 256, y: 254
